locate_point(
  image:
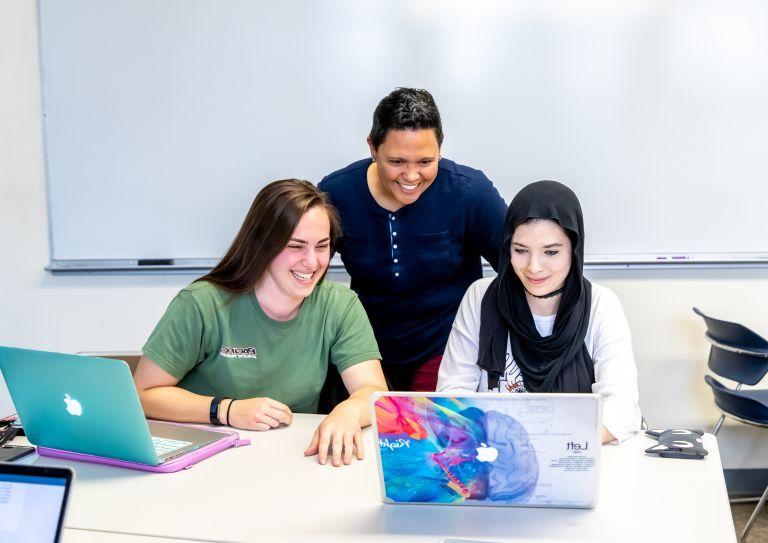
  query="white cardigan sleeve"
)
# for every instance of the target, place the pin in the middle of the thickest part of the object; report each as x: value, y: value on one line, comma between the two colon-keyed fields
x: 459, y: 371
x: 610, y: 343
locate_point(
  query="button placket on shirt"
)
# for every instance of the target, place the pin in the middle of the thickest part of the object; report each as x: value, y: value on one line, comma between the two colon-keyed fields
x: 394, y: 245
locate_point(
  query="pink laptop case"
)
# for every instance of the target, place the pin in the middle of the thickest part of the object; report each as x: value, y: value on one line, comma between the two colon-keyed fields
x: 230, y: 438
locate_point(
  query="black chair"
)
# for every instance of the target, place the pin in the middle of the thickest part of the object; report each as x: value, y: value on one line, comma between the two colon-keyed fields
x: 334, y: 391
x: 740, y: 355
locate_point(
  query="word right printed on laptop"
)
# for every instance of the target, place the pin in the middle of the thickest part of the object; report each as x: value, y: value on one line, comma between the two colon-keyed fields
x: 483, y: 451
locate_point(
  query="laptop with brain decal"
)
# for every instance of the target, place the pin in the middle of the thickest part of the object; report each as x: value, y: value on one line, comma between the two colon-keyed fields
x: 529, y: 450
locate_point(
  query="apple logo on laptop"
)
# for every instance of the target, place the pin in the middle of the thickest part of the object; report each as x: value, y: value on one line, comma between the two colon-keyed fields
x: 73, y: 406
x: 486, y: 453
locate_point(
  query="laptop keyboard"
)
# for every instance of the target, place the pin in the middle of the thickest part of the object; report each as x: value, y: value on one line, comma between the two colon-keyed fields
x: 164, y: 446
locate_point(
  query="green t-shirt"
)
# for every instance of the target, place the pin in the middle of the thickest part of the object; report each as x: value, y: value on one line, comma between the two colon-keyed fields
x: 220, y: 344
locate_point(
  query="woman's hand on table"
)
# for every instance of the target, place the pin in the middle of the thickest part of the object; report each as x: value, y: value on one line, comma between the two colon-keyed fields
x: 256, y: 414
x: 341, y: 433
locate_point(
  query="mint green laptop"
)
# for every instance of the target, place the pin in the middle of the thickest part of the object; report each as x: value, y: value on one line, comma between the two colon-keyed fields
x: 90, y: 405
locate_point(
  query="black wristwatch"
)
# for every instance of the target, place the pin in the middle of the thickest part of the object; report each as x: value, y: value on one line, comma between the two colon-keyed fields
x: 214, y: 413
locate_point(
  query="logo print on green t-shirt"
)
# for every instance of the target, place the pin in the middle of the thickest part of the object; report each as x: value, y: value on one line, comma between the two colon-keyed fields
x: 238, y: 352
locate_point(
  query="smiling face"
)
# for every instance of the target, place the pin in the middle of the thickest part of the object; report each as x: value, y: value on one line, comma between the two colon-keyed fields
x: 541, y: 256
x: 294, y: 272
x: 405, y: 166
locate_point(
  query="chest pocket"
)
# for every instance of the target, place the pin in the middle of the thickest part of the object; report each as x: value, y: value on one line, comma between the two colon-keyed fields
x: 362, y: 254
x: 439, y: 250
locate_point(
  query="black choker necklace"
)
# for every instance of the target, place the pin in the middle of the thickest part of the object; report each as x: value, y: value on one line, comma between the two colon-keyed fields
x: 545, y: 296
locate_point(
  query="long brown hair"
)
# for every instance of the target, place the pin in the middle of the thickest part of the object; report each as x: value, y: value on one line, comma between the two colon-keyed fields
x: 266, y: 230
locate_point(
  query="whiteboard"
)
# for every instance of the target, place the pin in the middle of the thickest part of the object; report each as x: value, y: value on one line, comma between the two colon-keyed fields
x: 163, y: 119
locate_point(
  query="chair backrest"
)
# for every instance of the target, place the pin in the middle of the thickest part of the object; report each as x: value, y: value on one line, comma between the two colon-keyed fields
x: 736, y: 404
x: 737, y: 366
x: 737, y: 352
x: 733, y: 334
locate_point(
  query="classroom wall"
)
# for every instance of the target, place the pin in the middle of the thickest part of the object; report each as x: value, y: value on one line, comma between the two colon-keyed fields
x: 75, y: 313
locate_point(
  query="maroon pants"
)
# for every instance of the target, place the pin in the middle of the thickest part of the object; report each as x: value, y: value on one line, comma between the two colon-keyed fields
x: 414, y: 377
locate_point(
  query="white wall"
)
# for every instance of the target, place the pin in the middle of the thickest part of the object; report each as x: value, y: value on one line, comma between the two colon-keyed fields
x: 70, y: 314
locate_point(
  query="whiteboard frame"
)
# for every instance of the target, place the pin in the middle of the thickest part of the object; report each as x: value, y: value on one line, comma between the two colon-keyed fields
x: 201, y: 266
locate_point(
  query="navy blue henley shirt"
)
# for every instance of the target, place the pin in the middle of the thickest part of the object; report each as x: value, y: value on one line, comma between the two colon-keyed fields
x: 411, y: 267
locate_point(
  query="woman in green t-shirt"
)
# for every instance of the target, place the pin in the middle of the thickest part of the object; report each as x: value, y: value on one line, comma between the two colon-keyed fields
x: 250, y: 342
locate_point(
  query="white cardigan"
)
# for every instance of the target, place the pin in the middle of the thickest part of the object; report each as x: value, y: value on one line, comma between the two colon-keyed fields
x: 608, y: 341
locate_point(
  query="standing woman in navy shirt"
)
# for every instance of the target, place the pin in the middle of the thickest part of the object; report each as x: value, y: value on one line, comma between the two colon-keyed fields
x: 414, y: 228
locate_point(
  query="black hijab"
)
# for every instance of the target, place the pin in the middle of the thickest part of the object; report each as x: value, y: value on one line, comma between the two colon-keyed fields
x: 559, y: 362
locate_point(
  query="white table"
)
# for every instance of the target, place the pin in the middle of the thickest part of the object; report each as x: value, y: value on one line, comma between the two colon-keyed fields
x: 268, y: 492
x: 72, y: 535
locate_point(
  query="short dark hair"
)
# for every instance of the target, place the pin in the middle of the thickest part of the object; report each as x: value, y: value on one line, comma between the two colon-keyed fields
x: 405, y: 109
x: 266, y: 230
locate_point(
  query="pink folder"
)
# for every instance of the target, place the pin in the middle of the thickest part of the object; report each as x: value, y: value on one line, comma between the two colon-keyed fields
x: 229, y: 439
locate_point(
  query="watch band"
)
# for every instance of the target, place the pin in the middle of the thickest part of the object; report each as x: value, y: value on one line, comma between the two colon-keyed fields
x: 214, y: 412
x: 229, y: 407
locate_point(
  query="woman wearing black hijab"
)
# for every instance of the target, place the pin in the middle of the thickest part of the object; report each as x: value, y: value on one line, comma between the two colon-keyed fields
x: 540, y: 325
